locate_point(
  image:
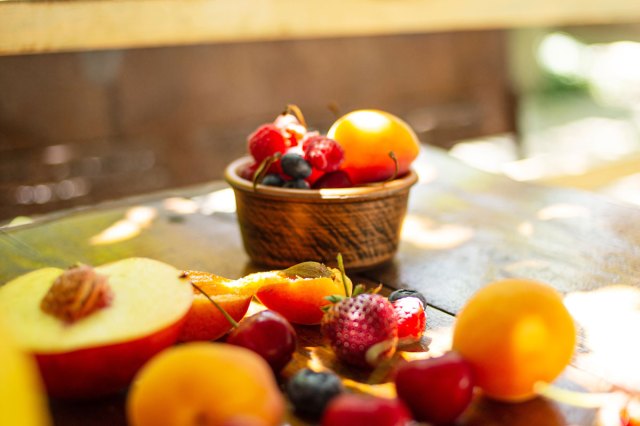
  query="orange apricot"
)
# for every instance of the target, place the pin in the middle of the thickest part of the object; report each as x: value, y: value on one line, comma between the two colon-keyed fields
x: 206, y: 322
x: 205, y: 383
x: 299, y: 300
x: 515, y: 333
x: 367, y: 137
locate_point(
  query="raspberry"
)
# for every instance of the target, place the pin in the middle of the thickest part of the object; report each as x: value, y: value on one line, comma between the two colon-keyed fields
x: 361, y: 330
x: 266, y: 141
x: 323, y: 153
x: 411, y: 319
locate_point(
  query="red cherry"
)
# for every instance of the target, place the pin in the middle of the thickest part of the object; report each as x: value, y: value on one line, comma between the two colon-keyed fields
x: 354, y: 409
x: 436, y: 390
x: 337, y: 179
x: 268, y: 334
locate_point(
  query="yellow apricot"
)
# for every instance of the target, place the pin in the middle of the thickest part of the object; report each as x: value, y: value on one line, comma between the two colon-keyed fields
x: 205, y: 383
x: 515, y: 333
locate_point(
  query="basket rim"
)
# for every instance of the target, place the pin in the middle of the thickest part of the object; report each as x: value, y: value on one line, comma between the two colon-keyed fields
x: 363, y: 192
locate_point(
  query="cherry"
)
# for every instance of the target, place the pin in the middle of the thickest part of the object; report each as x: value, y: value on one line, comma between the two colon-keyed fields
x: 268, y: 334
x: 437, y: 390
x: 355, y: 409
x: 337, y: 179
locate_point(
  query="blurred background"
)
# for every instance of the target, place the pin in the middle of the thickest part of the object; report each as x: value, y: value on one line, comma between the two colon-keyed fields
x: 101, y: 102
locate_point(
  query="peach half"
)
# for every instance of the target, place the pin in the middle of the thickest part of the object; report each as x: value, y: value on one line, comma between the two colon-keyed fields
x: 298, y: 299
x: 101, y: 352
x: 205, y: 321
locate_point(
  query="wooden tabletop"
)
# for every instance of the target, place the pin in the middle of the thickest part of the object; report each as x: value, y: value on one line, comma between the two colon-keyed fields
x: 464, y: 229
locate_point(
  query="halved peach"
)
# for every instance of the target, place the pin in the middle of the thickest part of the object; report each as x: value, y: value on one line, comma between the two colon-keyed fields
x: 298, y: 299
x: 205, y: 321
x: 99, y: 353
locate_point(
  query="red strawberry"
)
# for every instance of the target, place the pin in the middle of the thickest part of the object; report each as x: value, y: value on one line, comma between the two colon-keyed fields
x: 411, y: 317
x: 361, y: 330
x: 352, y: 409
x: 266, y: 141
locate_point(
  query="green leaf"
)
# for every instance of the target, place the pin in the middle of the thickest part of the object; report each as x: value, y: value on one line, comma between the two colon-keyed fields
x: 308, y: 270
x: 334, y: 298
x: 359, y: 289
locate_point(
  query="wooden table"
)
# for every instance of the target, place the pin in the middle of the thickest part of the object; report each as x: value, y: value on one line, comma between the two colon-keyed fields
x: 464, y: 229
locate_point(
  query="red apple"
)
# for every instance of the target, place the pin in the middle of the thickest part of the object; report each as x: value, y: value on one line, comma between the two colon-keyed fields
x: 101, y: 352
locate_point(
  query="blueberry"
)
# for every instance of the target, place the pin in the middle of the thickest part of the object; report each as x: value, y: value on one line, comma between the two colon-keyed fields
x: 296, y: 184
x: 402, y: 293
x: 272, y: 179
x: 295, y: 166
x: 311, y: 391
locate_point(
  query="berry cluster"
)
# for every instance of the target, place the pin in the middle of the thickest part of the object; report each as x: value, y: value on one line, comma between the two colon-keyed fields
x: 293, y: 156
x: 363, y: 331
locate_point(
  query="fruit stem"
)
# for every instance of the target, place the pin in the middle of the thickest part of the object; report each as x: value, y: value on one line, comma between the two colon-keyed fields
x: 335, y: 110
x: 396, y: 168
x: 576, y: 398
x: 343, y: 275
x: 297, y: 112
x: 233, y: 322
x: 263, y: 168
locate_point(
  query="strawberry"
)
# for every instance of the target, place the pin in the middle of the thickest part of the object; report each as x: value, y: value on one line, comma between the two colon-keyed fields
x: 411, y: 318
x: 361, y: 330
x: 352, y: 409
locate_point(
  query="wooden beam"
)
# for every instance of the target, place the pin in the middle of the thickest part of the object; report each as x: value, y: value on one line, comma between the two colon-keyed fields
x: 34, y: 27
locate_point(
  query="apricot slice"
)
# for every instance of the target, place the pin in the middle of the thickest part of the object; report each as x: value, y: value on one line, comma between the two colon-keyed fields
x: 22, y: 397
x: 300, y: 300
x: 101, y: 352
x: 205, y: 383
x: 367, y: 137
x: 515, y: 333
x: 205, y: 321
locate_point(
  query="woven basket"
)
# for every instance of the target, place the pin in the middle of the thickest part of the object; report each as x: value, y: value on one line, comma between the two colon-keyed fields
x: 281, y: 227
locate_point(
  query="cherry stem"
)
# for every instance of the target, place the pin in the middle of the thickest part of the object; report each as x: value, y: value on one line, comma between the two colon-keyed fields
x: 335, y: 110
x: 263, y: 168
x: 575, y: 398
x: 396, y: 168
x: 233, y: 322
x: 343, y: 275
x: 297, y: 112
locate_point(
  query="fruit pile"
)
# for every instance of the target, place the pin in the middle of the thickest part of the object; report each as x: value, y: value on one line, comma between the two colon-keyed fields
x: 361, y: 147
x: 89, y: 336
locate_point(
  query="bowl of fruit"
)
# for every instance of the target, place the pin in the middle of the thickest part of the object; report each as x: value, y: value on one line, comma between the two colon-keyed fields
x: 303, y: 195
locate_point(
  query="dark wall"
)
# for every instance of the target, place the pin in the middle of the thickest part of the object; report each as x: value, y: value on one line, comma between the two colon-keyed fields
x: 76, y: 128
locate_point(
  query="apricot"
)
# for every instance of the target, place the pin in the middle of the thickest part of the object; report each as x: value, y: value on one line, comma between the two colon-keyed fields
x: 367, y: 137
x: 205, y: 383
x: 22, y: 397
x: 206, y: 322
x: 300, y: 300
x: 515, y: 333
